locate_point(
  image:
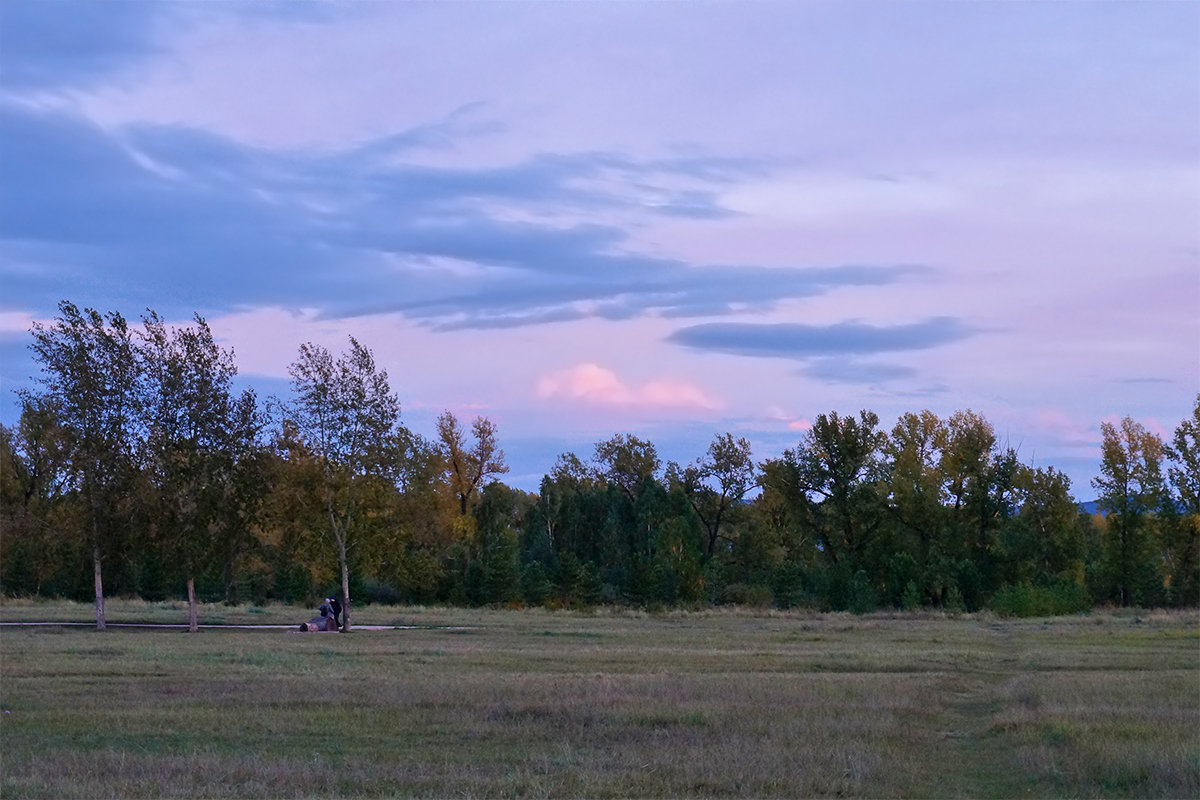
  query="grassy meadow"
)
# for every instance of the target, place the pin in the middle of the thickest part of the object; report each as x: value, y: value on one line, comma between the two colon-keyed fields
x: 471, y: 703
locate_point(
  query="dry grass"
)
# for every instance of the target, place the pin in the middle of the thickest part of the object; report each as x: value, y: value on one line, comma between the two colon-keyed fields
x: 541, y: 704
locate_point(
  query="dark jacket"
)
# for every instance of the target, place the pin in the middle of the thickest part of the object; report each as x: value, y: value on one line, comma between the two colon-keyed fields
x: 334, y: 609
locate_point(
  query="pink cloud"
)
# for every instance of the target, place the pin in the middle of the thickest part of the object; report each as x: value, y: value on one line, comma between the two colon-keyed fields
x: 1064, y: 429
x: 16, y: 322
x: 794, y: 423
x: 594, y: 384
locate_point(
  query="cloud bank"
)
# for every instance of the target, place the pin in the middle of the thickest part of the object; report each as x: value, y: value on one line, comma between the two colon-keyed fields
x: 163, y: 212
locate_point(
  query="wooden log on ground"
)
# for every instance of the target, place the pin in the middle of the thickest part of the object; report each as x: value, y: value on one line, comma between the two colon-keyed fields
x: 319, y: 625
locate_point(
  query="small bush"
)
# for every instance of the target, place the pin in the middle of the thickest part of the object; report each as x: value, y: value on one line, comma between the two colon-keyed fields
x: 755, y: 595
x: 952, y: 603
x: 1024, y: 600
x: 787, y: 585
x: 912, y: 599
x: 863, y: 597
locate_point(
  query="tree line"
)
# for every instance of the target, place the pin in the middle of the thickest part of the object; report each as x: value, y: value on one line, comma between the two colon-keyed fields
x: 137, y: 469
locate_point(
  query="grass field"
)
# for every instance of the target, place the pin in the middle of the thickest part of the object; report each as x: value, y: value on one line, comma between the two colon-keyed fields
x: 612, y: 704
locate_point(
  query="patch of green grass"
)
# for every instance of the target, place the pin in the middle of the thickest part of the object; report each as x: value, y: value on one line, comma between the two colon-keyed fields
x: 607, y: 704
x: 572, y: 634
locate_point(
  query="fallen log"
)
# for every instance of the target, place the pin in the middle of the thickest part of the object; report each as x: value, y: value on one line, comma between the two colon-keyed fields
x: 319, y: 625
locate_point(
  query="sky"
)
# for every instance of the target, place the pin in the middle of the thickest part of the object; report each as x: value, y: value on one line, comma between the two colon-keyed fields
x: 668, y: 219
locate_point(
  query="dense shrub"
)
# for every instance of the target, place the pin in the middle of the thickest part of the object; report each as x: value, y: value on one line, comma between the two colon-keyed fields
x: 755, y: 595
x: 535, y: 584
x: 380, y: 592
x: 1025, y: 600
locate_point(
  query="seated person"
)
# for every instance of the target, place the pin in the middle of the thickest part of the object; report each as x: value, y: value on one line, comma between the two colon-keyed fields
x: 332, y: 608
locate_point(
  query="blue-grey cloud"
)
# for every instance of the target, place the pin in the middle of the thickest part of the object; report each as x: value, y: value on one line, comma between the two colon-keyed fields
x: 62, y: 45
x: 59, y: 45
x: 800, y: 341
x: 180, y: 219
x: 1147, y: 380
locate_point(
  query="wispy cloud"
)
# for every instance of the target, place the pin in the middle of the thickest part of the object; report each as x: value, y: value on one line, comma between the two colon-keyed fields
x: 1147, y: 380
x: 157, y: 212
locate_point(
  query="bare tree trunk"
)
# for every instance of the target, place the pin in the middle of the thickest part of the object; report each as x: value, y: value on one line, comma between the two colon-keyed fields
x: 341, y: 543
x: 100, y: 625
x: 193, y: 625
x: 96, y: 560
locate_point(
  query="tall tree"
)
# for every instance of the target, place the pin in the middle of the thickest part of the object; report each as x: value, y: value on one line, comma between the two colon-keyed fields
x: 468, y: 466
x: 189, y: 410
x: 568, y: 510
x: 1130, y: 486
x: 625, y: 461
x: 243, y: 475
x: 293, y: 530
x: 35, y: 524
x: 90, y: 374
x: 344, y: 411
x: 916, y: 493
x: 980, y: 487
x: 1042, y: 545
x: 410, y: 552
x: 1181, y: 536
x: 839, y: 467
x: 1184, y: 454
x: 499, y: 516
x: 717, y: 482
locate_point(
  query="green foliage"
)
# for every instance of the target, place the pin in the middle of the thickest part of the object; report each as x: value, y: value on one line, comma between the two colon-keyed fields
x: 862, y: 595
x: 475, y: 587
x: 912, y: 598
x: 344, y: 414
x: 293, y: 583
x: 467, y: 468
x: 91, y: 376
x: 16, y: 575
x: 1180, y: 536
x: 566, y: 578
x: 1131, y: 491
x: 154, y: 580
x: 1181, y: 544
x: 753, y: 595
x: 788, y: 586
x: 953, y: 601
x: 535, y: 584
x: 590, y: 587
x: 1040, y: 601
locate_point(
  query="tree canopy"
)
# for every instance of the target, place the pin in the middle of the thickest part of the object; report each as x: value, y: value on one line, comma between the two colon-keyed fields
x: 137, y: 469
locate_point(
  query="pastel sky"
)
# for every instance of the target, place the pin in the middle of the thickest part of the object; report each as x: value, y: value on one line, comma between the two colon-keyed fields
x: 671, y: 219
